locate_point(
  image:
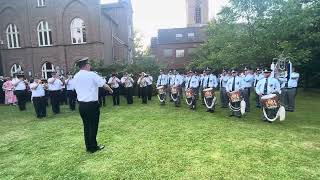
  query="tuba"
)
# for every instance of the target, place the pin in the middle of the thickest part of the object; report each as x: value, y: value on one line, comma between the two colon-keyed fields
x: 282, y: 67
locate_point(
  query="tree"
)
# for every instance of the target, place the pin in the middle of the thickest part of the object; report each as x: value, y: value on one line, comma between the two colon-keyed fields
x: 253, y: 32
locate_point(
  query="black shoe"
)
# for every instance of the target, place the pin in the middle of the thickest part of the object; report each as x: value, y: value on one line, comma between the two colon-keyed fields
x: 98, y: 148
x: 231, y: 115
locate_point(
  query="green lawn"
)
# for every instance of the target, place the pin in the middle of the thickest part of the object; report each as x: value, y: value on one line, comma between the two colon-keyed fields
x: 162, y: 142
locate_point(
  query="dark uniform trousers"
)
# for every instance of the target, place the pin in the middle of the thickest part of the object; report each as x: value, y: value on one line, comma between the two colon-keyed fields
x: 224, y: 97
x: 116, y: 96
x: 72, y: 96
x: 129, y: 91
x: 102, y: 96
x: 258, y: 104
x: 246, y: 97
x: 144, y: 92
x: 55, y: 101
x: 288, y: 96
x: 22, y: 99
x: 90, y: 114
x: 40, y: 107
x: 149, y: 87
x: 63, y: 97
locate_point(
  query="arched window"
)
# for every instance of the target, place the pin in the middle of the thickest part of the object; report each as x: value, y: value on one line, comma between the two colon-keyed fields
x: 47, y: 69
x: 198, y: 13
x: 14, y: 69
x: 41, y: 3
x: 78, y: 31
x: 13, y: 37
x: 44, y: 34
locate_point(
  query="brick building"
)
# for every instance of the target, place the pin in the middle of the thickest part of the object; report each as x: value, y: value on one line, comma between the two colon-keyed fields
x: 173, y: 47
x: 38, y: 36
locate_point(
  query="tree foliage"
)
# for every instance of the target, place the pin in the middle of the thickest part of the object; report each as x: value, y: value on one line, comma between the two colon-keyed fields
x: 253, y: 32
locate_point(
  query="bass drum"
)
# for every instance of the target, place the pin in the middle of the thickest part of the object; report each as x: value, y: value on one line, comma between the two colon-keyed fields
x: 175, y: 95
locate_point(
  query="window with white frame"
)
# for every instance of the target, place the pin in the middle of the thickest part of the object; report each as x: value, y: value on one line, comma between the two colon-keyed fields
x: 47, y: 69
x: 13, y: 37
x: 41, y: 3
x: 15, y: 69
x: 167, y: 52
x: 190, y: 35
x: 78, y: 31
x: 44, y: 34
x: 179, y: 35
x: 179, y: 53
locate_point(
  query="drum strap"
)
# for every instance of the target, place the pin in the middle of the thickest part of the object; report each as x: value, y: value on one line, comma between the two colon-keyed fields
x: 208, y: 81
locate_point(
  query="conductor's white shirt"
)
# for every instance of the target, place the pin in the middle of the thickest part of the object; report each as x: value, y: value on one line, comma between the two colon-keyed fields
x: 86, y: 84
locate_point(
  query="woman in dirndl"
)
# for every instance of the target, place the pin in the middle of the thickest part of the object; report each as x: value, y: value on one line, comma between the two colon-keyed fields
x: 8, y: 88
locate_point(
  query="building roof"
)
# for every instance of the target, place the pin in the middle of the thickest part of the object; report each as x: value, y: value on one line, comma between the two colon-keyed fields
x: 181, y: 35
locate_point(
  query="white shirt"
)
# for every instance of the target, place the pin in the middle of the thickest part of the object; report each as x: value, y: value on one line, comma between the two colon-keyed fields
x: 86, y: 84
x: 142, y: 82
x: 38, y: 92
x: 149, y: 80
x: 127, y: 81
x: 70, y: 84
x: 19, y: 84
x: 114, y: 82
x: 54, y: 84
x: 238, y: 84
x: 273, y: 86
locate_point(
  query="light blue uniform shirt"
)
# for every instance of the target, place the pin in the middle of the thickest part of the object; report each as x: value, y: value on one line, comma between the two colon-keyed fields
x: 238, y: 84
x: 248, y: 81
x: 224, y: 80
x: 257, y: 78
x: 213, y: 82
x: 192, y: 82
x: 178, y: 80
x: 273, y: 86
x: 293, y: 81
x: 162, y: 80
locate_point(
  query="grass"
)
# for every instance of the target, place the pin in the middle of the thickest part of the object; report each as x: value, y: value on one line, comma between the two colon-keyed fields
x: 162, y: 142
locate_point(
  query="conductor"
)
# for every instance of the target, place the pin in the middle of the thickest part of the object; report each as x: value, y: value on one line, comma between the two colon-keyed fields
x: 87, y: 85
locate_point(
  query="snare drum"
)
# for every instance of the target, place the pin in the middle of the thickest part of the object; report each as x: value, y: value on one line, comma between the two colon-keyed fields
x: 174, y: 90
x: 161, y: 90
x: 208, y: 93
x: 270, y: 101
x: 189, y: 93
x: 235, y: 96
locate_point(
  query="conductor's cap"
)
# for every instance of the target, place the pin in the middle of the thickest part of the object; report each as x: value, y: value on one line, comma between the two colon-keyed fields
x: 82, y: 62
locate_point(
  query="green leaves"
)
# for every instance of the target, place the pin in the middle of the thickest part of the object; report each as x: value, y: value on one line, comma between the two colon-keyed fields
x: 253, y: 32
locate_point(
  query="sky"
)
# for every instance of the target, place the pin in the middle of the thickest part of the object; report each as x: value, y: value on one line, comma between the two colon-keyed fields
x: 151, y: 15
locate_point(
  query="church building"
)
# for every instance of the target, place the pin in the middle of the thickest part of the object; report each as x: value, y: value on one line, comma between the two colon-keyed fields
x: 41, y: 36
x: 173, y: 47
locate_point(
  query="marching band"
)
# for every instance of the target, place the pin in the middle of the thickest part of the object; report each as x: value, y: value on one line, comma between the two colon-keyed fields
x: 275, y: 90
